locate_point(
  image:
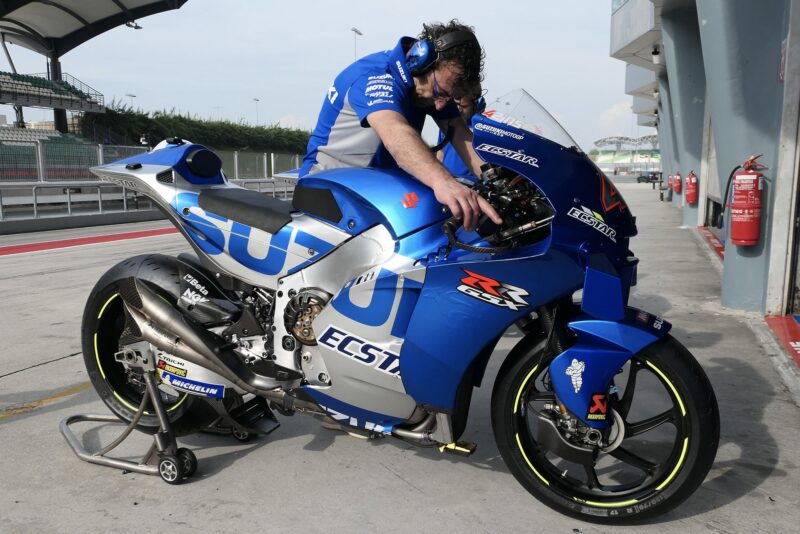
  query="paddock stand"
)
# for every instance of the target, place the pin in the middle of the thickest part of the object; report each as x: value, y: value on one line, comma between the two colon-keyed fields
x: 174, y: 463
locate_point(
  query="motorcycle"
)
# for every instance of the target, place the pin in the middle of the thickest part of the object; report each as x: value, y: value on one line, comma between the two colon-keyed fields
x: 363, y: 303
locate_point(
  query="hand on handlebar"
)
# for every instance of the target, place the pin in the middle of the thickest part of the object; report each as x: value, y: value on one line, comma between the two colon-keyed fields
x: 464, y: 203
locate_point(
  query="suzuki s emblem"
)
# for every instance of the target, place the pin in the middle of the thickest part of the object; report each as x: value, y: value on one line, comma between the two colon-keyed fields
x: 410, y: 200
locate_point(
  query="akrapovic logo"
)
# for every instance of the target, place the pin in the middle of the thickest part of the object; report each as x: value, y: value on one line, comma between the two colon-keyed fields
x: 593, y: 219
x: 510, y: 154
x: 499, y: 132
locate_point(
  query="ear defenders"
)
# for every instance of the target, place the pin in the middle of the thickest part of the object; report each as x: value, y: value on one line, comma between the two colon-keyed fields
x: 480, y: 105
x: 424, y: 53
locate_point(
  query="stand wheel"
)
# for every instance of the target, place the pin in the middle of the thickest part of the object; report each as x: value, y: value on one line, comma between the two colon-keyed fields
x: 171, y: 469
x: 188, y: 460
x: 241, y: 435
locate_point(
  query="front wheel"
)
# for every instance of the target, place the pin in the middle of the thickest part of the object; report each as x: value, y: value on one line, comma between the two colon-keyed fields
x: 655, y: 455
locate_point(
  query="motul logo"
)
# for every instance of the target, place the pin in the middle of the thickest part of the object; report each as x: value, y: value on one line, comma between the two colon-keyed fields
x: 410, y: 200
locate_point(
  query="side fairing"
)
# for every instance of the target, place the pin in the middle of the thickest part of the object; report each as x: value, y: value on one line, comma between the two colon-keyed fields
x: 465, y: 304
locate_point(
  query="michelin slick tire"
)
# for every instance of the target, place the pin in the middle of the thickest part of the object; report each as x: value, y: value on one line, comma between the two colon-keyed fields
x: 522, y: 386
x: 103, y: 324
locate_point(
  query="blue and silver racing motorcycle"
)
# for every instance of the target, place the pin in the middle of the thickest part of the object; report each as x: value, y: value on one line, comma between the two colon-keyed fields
x: 361, y: 302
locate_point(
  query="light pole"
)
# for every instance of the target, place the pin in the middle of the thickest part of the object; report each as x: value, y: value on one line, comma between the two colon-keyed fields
x: 256, y: 100
x: 131, y: 96
x: 356, y: 33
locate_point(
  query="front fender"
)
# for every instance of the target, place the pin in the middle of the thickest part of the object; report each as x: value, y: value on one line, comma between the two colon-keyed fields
x: 581, y: 375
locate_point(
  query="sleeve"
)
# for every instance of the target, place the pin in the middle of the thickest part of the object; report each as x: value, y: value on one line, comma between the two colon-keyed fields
x: 375, y: 92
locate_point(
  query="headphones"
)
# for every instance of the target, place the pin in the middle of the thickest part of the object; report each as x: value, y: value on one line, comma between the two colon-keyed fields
x: 479, y: 106
x: 424, y: 53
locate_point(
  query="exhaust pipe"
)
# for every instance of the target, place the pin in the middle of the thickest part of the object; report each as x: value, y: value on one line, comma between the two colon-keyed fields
x: 169, y: 330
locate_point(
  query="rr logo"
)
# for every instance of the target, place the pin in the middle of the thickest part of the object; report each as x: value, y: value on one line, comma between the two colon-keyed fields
x: 492, y: 291
x: 410, y: 200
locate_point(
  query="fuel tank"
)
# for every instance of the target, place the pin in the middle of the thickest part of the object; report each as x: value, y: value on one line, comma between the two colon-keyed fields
x: 357, y: 199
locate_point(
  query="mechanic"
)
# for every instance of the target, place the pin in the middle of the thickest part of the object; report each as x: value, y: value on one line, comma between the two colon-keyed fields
x: 375, y: 109
x: 468, y: 105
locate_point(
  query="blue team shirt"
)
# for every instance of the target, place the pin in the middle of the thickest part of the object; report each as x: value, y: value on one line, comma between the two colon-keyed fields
x: 342, y: 137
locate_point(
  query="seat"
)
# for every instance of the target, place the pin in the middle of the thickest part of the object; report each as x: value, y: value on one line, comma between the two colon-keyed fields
x: 247, y: 207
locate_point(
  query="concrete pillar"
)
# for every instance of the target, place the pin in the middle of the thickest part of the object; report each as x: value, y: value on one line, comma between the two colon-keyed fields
x: 687, y: 78
x: 59, y: 115
x: 670, y: 158
x: 741, y: 42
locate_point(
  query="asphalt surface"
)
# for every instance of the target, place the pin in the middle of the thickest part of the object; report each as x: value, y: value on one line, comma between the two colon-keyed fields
x: 305, y: 478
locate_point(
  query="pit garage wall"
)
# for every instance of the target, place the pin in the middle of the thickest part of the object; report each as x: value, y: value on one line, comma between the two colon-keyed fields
x: 741, y: 51
x: 687, y: 93
x: 670, y: 159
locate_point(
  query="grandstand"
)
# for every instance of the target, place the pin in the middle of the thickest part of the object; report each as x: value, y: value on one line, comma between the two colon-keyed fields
x: 33, y: 90
x: 48, y: 170
x: 627, y: 156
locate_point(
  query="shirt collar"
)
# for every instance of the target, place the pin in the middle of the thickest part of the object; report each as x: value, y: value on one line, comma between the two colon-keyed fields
x: 397, y: 61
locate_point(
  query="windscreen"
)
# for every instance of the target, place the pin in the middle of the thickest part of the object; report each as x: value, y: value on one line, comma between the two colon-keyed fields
x: 520, y: 110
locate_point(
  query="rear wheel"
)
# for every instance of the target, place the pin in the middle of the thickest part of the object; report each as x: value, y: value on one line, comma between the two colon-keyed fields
x: 655, y: 455
x: 120, y: 386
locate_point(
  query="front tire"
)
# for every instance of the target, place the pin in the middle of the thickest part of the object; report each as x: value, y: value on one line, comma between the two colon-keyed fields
x: 671, y: 424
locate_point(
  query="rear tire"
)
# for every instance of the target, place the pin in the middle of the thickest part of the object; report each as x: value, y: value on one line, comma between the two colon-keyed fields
x: 625, y: 488
x: 120, y: 388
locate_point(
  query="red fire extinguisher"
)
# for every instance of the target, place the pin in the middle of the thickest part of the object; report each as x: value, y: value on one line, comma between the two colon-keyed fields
x: 676, y: 182
x: 691, y: 188
x: 669, y: 182
x: 746, y: 205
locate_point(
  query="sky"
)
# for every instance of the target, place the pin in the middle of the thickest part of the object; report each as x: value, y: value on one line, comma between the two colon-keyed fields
x: 213, y: 58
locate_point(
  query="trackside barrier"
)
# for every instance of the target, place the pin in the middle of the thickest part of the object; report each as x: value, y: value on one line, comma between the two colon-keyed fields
x: 64, y: 198
x: 50, y: 176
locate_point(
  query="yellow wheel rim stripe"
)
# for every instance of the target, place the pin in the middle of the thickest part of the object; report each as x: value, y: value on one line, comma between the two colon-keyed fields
x: 674, y: 391
x: 607, y: 504
x: 522, y: 386
x: 112, y: 297
x: 103, y: 373
x: 677, y: 466
x: 519, y: 444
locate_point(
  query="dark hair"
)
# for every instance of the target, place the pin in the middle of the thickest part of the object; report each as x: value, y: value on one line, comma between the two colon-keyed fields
x: 468, y: 55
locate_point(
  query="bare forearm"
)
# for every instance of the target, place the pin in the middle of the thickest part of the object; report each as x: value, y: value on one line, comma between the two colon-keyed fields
x: 462, y: 142
x: 411, y: 154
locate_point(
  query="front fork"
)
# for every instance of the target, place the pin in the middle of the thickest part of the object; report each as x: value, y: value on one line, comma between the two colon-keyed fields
x: 589, y: 352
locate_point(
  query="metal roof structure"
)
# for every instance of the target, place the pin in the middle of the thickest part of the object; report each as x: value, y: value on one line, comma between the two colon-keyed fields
x: 54, y: 27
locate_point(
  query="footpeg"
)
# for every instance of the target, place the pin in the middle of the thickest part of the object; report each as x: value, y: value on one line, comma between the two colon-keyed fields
x: 460, y: 448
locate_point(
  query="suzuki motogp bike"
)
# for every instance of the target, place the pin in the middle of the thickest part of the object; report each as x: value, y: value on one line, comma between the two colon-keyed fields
x: 363, y: 303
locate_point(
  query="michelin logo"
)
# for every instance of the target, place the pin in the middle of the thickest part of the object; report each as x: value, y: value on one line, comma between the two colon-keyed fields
x: 198, y: 388
x: 510, y: 154
x: 499, y: 132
